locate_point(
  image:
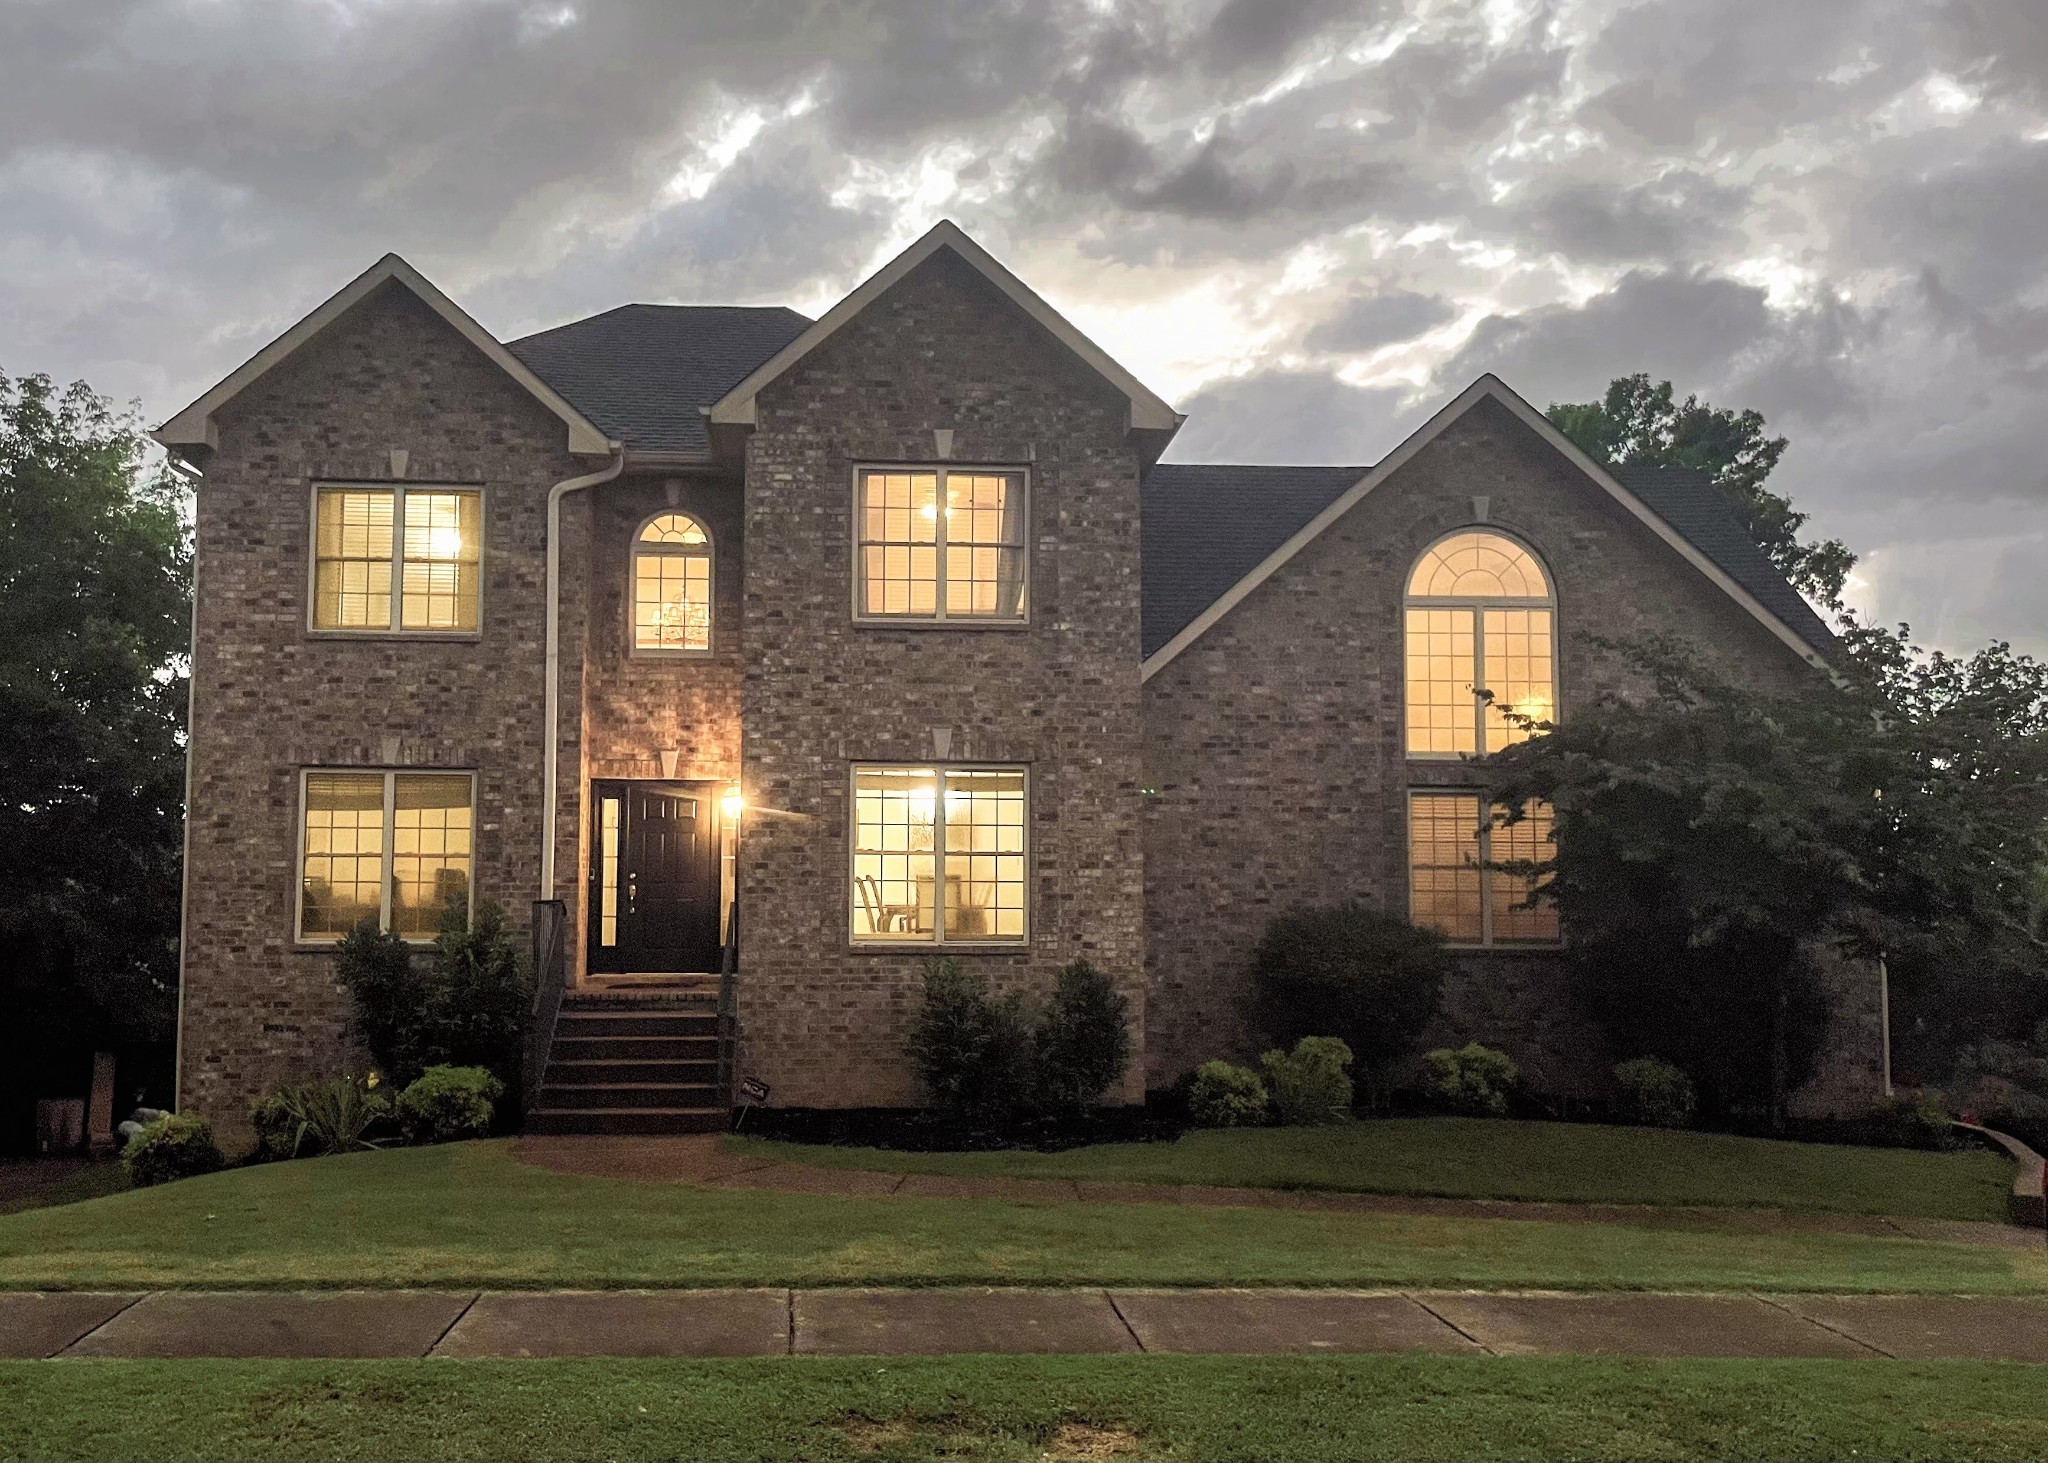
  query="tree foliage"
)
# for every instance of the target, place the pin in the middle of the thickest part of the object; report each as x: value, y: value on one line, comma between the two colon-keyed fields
x: 1711, y: 835
x: 95, y: 595
x: 1640, y: 422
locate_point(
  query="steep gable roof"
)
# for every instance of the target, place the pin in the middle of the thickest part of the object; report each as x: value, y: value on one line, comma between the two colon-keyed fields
x: 192, y: 431
x: 1148, y: 412
x: 645, y: 373
x: 1675, y: 506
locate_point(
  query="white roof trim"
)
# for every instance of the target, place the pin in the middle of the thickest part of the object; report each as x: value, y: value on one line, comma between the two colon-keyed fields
x: 1483, y: 388
x: 194, y: 426
x: 1148, y: 411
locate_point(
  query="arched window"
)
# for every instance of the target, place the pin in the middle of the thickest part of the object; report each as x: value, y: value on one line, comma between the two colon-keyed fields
x: 672, y: 584
x: 1480, y: 617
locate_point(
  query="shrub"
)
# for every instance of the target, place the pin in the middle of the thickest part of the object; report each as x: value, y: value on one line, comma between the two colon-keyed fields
x: 1471, y: 1079
x: 1223, y: 1095
x: 386, y: 993
x: 1367, y: 977
x: 299, y: 1120
x: 972, y: 1051
x: 276, y: 1125
x: 1655, y: 1093
x: 1910, y: 1120
x: 1311, y: 1084
x: 1998, y: 1102
x: 1084, y: 1043
x: 174, y: 1146
x: 445, y: 1104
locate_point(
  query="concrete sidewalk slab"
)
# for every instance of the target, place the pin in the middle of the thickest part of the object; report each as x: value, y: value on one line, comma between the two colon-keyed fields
x: 360, y: 1323
x: 623, y: 1323
x: 1636, y: 1325
x: 43, y: 1323
x: 1924, y: 1327
x: 1247, y: 1321
x: 951, y: 1322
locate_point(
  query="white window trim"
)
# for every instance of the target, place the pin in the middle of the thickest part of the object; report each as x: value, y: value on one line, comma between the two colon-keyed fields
x: 939, y: 619
x: 938, y: 941
x: 709, y: 552
x: 398, y: 491
x: 1479, y: 605
x: 1487, y: 808
x: 390, y: 776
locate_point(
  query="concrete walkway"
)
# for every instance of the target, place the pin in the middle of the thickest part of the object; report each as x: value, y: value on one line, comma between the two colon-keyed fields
x: 686, y: 1323
x: 702, y: 1159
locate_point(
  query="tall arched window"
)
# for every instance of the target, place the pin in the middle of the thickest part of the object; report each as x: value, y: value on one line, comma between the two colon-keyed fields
x: 1480, y: 618
x: 672, y: 584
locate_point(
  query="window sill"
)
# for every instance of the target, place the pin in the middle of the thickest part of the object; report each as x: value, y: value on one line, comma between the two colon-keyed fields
x: 951, y: 947
x: 1530, y: 947
x: 329, y: 947
x: 906, y: 622
x: 455, y: 637
x: 638, y: 653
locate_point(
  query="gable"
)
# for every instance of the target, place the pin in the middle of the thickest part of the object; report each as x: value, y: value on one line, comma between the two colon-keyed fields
x: 1149, y: 415
x: 193, y: 433
x: 1723, y: 553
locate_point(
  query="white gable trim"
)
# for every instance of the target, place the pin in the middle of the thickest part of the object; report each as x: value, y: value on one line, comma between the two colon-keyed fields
x: 1485, y: 387
x: 194, y: 426
x: 1148, y: 411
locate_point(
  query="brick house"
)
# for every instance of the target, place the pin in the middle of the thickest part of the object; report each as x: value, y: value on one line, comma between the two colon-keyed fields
x: 871, y: 637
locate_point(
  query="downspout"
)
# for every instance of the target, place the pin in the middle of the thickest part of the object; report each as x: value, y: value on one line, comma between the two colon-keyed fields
x: 551, y: 696
x: 190, y: 476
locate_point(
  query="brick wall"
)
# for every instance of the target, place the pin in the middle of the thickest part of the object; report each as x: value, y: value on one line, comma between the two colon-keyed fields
x: 1274, y: 743
x: 270, y: 699
x: 824, y: 1022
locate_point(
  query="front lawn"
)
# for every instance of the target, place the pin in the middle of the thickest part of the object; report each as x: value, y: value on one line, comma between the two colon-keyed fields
x: 1478, y: 1158
x: 471, y: 1215
x: 1026, y: 1407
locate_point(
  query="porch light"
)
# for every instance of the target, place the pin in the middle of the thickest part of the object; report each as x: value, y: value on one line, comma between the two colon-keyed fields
x: 732, y: 804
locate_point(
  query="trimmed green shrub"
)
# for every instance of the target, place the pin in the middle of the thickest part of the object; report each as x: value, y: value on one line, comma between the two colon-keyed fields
x: 446, y: 1104
x: 1655, y: 1093
x: 1910, y: 1120
x: 466, y: 1005
x: 277, y: 1126
x: 1471, y: 1079
x: 1310, y: 1085
x: 386, y: 994
x: 972, y: 1051
x: 1224, y: 1095
x: 175, y: 1146
x: 1084, y: 1043
x: 1354, y: 972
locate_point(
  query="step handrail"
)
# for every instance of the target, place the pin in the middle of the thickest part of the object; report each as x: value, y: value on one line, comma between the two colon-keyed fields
x: 728, y: 980
x: 550, y: 980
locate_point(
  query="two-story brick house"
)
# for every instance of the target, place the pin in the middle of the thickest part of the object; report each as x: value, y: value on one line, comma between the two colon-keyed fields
x: 871, y: 637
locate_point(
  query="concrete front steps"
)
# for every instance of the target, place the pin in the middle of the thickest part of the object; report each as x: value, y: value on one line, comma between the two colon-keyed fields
x: 633, y: 1061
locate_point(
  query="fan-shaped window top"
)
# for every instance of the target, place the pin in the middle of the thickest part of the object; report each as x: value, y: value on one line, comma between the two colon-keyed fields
x: 674, y: 528
x: 1478, y: 566
x: 672, y: 592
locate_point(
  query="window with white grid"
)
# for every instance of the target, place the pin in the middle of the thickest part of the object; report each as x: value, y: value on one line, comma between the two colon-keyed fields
x: 397, y: 557
x: 941, y: 544
x: 1456, y: 844
x: 395, y: 847
x: 672, y: 585
x: 939, y: 854
x: 1481, y: 643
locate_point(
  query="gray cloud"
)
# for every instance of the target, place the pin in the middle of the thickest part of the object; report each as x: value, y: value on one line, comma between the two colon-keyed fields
x: 1292, y: 418
x: 1376, y: 318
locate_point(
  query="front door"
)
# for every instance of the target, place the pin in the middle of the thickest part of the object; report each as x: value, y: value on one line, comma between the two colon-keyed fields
x: 654, y: 878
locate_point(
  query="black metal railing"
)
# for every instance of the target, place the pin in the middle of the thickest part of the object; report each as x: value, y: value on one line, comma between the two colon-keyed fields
x: 728, y: 1016
x: 550, y: 979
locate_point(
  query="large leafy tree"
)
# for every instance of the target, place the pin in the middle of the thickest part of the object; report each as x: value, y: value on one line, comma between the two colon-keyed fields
x: 1640, y: 422
x: 95, y: 605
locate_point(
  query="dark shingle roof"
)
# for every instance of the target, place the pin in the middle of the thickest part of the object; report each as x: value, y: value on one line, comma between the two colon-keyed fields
x: 1206, y: 526
x: 641, y: 372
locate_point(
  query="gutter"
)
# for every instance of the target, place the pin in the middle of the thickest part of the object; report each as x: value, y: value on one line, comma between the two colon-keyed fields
x: 551, y: 697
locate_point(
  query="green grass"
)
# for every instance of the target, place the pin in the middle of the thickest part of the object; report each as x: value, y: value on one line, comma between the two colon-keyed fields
x: 1183, y: 1407
x: 470, y: 1215
x: 1477, y: 1158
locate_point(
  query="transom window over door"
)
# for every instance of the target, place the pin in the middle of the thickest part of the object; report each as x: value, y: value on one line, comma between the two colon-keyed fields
x: 1480, y: 617
x: 1454, y: 841
x: 397, y: 557
x: 390, y: 846
x: 672, y: 585
x: 938, y: 854
x: 941, y: 544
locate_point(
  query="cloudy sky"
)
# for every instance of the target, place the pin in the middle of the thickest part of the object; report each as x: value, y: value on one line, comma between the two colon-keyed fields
x: 1305, y: 222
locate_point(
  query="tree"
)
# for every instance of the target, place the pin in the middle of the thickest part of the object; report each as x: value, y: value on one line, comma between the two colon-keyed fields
x: 1639, y: 422
x: 1710, y: 837
x: 95, y: 604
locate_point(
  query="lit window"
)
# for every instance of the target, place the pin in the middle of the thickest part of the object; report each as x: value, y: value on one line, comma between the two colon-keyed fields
x: 938, y: 854
x: 1453, y: 885
x: 941, y: 544
x: 396, y: 556
x: 672, y: 585
x: 1479, y: 619
x: 390, y: 846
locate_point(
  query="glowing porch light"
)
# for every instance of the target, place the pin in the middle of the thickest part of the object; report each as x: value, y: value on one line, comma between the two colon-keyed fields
x: 733, y: 803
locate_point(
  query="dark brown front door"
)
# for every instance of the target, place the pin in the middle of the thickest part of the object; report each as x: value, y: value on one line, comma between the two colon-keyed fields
x: 654, y: 881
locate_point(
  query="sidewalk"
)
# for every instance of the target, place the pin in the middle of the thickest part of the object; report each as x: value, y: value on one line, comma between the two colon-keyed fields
x: 944, y: 1322
x: 702, y: 1159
